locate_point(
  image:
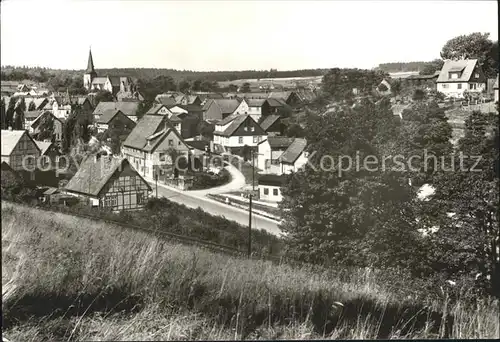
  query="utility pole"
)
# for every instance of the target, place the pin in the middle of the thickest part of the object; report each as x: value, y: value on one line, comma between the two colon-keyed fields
x: 253, y: 172
x: 250, y: 227
x: 156, y: 181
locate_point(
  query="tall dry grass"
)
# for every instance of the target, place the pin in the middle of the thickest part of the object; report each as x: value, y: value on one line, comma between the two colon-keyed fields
x: 74, y: 279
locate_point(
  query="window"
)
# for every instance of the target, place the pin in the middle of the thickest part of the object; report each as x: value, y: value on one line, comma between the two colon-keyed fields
x: 240, y: 140
x: 255, y: 139
x: 111, y: 201
x: 245, y: 128
x: 140, y: 198
x: 444, y: 86
x: 252, y: 129
x: 179, y: 143
x: 275, y: 192
x: 476, y: 75
x: 162, y: 156
x: 472, y: 86
x: 266, y: 191
x: 459, y: 86
x: 170, y: 142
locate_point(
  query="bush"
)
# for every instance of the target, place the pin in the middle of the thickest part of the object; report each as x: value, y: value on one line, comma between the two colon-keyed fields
x: 204, y: 180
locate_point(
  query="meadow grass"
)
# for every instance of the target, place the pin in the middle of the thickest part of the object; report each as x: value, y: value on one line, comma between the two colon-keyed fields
x: 67, y: 278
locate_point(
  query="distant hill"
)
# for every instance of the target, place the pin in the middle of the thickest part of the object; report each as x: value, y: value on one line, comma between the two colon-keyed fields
x: 402, y: 66
x: 42, y: 74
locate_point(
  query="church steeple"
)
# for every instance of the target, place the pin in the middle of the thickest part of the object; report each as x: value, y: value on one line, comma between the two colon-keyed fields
x: 90, y: 64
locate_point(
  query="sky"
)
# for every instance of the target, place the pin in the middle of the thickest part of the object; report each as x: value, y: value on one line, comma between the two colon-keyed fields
x: 234, y: 35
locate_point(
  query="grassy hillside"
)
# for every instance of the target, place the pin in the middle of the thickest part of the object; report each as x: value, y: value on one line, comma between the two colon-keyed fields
x: 67, y: 278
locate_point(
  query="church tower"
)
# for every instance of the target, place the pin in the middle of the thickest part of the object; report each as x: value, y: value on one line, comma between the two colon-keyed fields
x: 90, y: 73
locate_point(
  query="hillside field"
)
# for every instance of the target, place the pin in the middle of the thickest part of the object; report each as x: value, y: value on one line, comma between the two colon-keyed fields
x: 68, y: 278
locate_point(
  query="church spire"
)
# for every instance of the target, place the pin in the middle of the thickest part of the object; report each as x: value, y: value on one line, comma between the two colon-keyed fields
x: 90, y: 64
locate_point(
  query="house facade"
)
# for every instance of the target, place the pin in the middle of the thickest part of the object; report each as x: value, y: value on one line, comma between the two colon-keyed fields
x: 111, y: 183
x: 257, y: 108
x: 57, y: 125
x: 295, y: 156
x: 218, y: 109
x: 270, y: 188
x: 150, y: 144
x: 236, y: 131
x: 459, y: 76
x: 20, y: 152
x: 269, y: 151
x: 114, y: 118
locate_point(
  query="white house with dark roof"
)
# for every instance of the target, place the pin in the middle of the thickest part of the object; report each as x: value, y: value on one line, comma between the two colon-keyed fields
x: 281, y: 155
x: 295, y: 156
x: 270, y: 187
x: 237, y: 131
x: 109, y: 182
x: 257, y: 108
x: 460, y: 75
x: 149, y: 144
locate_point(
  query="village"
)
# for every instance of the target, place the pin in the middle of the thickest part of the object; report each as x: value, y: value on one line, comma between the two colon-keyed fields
x: 248, y: 131
x: 174, y: 171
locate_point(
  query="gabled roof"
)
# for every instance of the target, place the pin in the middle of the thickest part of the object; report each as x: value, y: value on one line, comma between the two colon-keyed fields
x: 155, y: 108
x: 191, y: 108
x: 99, y: 80
x: 227, y: 106
x: 10, y: 139
x: 269, y: 121
x: 279, y: 142
x: 128, y: 108
x: 293, y: 151
x: 276, y: 102
x: 466, y: 67
x: 43, y: 114
x: 166, y: 101
x: 152, y: 129
x: 236, y: 121
x: 255, y: 102
x: 43, y: 146
x: 115, y: 80
x: 147, y: 126
x: 227, y: 120
x: 108, y: 115
x: 270, y: 179
x: 94, y: 174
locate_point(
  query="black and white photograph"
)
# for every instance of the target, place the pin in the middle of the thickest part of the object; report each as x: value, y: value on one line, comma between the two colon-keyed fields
x: 206, y: 170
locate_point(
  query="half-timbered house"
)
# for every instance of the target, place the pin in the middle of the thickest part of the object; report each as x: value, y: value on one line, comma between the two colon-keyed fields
x: 109, y: 182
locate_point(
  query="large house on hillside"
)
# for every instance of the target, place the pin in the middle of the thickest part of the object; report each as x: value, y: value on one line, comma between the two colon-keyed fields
x: 458, y: 76
x: 150, y: 143
x: 236, y: 131
x: 109, y: 182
